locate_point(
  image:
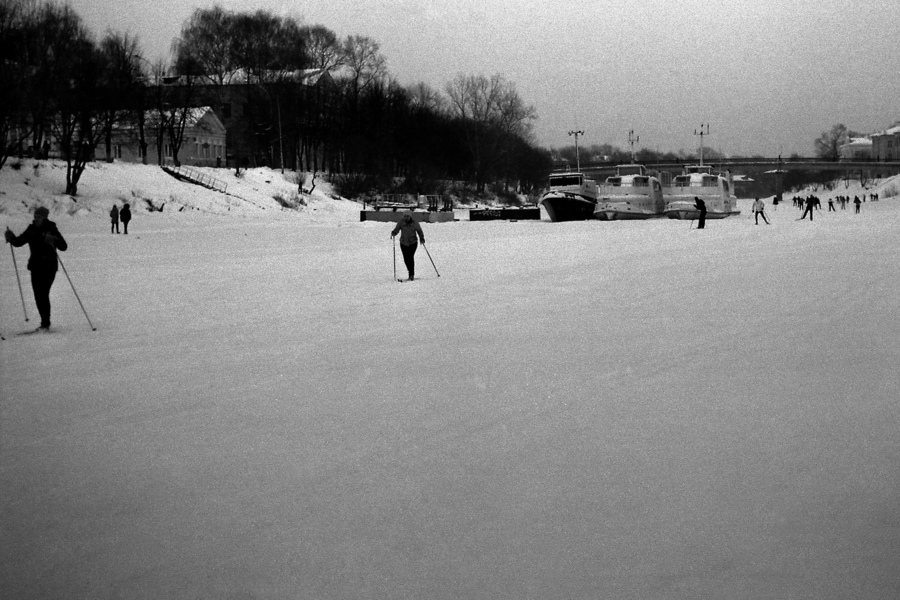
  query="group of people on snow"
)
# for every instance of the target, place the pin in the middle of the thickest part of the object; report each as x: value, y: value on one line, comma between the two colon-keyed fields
x: 117, y: 215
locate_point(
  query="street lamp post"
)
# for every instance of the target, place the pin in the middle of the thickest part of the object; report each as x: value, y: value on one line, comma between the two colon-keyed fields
x: 701, y: 133
x: 577, y: 158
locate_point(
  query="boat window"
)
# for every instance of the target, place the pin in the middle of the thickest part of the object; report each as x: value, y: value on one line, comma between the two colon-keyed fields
x: 563, y: 180
x: 630, y: 170
x: 615, y: 181
x: 641, y: 182
x: 709, y: 181
x: 682, y: 181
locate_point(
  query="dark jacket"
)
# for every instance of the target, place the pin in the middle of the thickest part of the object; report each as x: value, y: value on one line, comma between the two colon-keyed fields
x: 43, y: 242
x: 408, y: 228
x: 125, y: 214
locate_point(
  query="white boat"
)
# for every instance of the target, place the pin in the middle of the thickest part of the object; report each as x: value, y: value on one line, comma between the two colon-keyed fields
x: 572, y: 197
x: 630, y: 194
x: 698, y: 181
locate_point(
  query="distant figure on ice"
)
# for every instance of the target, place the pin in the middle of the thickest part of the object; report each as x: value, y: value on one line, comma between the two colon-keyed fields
x: 43, y: 239
x: 857, y: 202
x: 831, y: 205
x: 114, y: 218
x: 759, y: 208
x: 701, y: 206
x: 409, y: 228
x: 125, y: 215
x: 810, y: 204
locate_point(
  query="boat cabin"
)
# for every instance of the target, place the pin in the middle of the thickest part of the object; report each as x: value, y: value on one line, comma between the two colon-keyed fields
x: 566, y: 180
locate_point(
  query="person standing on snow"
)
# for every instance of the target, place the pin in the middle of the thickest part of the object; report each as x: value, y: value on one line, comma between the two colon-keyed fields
x: 125, y: 215
x: 43, y: 239
x: 409, y: 229
x: 759, y: 208
x: 701, y: 206
x: 114, y: 218
x: 810, y: 204
x: 857, y: 202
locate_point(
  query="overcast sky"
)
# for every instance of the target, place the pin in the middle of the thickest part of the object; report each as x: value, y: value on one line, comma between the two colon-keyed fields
x: 767, y: 76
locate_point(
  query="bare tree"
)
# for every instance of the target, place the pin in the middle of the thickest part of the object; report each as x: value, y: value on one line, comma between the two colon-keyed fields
x: 121, y: 83
x: 491, y: 112
x: 363, y: 59
x: 828, y: 145
x: 17, y: 18
x: 323, y: 48
x: 206, y: 39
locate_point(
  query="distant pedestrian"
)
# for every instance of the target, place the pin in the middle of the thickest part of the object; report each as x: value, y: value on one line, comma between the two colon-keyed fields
x: 810, y: 204
x: 114, y: 219
x: 409, y: 229
x: 43, y: 239
x: 857, y: 202
x: 831, y: 205
x: 759, y: 208
x: 125, y: 215
x: 701, y: 206
x: 775, y: 203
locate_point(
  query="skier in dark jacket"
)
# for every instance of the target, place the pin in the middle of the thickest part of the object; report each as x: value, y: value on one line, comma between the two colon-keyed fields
x: 114, y: 219
x: 701, y: 206
x: 810, y: 205
x: 43, y: 239
x: 409, y: 228
x: 125, y: 215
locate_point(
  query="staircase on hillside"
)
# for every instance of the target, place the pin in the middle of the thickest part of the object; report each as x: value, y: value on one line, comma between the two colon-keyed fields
x: 195, y: 176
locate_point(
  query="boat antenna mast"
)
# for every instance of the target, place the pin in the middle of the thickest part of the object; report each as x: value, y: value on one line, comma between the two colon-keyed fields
x: 577, y: 158
x: 632, y: 140
x: 701, y: 133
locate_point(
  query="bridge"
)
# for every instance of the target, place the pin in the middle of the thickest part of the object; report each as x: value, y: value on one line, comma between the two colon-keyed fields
x: 756, y: 165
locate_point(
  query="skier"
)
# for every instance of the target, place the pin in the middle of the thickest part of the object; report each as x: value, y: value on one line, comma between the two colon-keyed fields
x: 759, y: 208
x: 810, y: 204
x: 409, y: 228
x: 43, y: 239
x: 114, y: 218
x: 701, y: 206
x: 125, y: 215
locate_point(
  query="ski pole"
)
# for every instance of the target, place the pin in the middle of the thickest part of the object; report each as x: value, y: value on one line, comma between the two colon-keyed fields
x: 21, y: 295
x: 395, y: 257
x: 76, y: 295
x: 429, y: 258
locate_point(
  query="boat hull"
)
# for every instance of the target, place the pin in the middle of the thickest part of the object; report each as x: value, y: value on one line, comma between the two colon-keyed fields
x: 612, y: 214
x: 568, y: 207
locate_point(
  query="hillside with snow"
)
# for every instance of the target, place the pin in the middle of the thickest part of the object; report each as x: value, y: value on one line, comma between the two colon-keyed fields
x: 630, y: 410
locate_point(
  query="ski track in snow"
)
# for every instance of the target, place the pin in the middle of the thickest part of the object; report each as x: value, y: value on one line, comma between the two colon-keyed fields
x: 629, y: 410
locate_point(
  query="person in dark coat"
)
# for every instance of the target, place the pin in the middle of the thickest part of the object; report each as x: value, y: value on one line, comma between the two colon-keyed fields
x: 114, y: 218
x: 409, y: 228
x: 43, y: 239
x: 810, y: 204
x: 701, y: 206
x: 125, y: 215
x: 857, y: 202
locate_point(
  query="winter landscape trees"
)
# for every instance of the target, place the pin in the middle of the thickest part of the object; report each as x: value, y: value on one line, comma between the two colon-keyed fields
x: 293, y: 95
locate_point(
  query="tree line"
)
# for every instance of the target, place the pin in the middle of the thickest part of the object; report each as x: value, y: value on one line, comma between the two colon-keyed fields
x: 58, y: 82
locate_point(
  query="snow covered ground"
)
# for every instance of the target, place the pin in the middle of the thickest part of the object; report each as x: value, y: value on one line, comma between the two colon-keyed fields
x: 629, y: 410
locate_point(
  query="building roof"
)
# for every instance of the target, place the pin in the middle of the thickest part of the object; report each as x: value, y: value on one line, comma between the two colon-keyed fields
x: 892, y: 131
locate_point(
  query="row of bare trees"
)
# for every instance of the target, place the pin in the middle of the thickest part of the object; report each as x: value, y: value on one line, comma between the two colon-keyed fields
x: 57, y: 82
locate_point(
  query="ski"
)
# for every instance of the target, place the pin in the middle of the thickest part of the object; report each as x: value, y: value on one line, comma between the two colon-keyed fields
x: 33, y: 331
